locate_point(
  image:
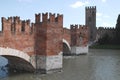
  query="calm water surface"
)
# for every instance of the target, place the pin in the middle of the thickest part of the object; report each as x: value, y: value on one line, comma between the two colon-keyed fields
x: 97, y: 65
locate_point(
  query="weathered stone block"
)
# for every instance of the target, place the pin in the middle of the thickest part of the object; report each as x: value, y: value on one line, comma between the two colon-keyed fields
x: 79, y: 50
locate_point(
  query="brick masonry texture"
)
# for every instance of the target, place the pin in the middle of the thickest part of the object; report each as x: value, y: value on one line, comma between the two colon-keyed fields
x: 13, y: 37
x: 42, y: 40
x: 48, y: 36
x: 44, y: 37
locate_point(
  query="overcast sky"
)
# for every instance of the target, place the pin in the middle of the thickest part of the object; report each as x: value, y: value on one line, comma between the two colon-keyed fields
x: 73, y: 10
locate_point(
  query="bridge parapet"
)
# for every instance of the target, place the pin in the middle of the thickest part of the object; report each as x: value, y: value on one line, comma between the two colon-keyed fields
x: 14, y: 25
x: 78, y: 27
x: 17, y: 34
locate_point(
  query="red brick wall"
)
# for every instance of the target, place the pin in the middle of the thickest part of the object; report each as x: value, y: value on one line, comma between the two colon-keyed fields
x: 11, y: 35
x: 73, y: 35
x: 43, y: 38
x: 50, y: 32
x: 67, y: 35
x: 78, y: 31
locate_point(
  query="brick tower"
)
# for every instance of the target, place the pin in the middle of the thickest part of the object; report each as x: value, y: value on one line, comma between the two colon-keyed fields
x: 90, y: 21
x: 79, y: 39
x: 48, y: 41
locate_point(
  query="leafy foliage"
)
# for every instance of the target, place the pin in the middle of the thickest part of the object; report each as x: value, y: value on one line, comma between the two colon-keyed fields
x: 117, y: 37
x: 104, y: 40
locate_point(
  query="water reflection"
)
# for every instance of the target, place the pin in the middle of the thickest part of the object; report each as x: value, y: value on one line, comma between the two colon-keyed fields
x: 97, y: 65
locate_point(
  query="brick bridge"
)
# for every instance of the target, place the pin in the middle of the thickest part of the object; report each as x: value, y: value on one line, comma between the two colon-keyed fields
x: 40, y: 45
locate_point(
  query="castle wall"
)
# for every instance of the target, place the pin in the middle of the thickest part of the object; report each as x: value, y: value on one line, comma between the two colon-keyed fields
x: 43, y: 40
x: 101, y: 31
x: 11, y: 35
x: 18, y: 35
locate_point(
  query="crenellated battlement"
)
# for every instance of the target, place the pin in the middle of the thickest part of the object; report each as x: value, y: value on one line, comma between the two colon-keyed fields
x: 79, y: 35
x: 90, y: 8
x: 79, y: 27
x: 11, y: 20
x: 73, y: 27
x: 16, y: 25
x: 15, y: 20
x: 101, y: 31
x: 48, y: 17
x: 26, y: 22
x: 106, y: 28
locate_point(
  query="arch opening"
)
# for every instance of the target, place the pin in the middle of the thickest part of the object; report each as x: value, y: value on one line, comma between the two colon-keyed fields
x: 17, y: 60
x: 66, y: 48
x: 18, y: 64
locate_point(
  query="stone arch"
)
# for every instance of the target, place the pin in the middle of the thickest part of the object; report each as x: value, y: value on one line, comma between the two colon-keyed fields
x: 17, y: 59
x: 66, y: 48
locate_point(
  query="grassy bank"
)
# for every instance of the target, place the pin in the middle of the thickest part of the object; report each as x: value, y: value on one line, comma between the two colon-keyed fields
x: 105, y: 47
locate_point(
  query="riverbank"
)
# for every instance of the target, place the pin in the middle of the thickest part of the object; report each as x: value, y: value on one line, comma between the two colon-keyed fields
x: 105, y: 47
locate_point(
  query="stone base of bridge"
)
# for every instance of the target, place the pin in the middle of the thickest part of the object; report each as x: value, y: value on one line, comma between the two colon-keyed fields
x: 79, y: 50
x: 47, y: 64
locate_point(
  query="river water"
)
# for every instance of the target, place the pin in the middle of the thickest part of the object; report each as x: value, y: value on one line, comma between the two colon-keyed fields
x: 96, y: 65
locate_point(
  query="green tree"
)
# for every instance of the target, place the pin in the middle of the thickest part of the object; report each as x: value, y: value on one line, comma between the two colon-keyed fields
x: 104, y: 40
x: 117, y: 38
